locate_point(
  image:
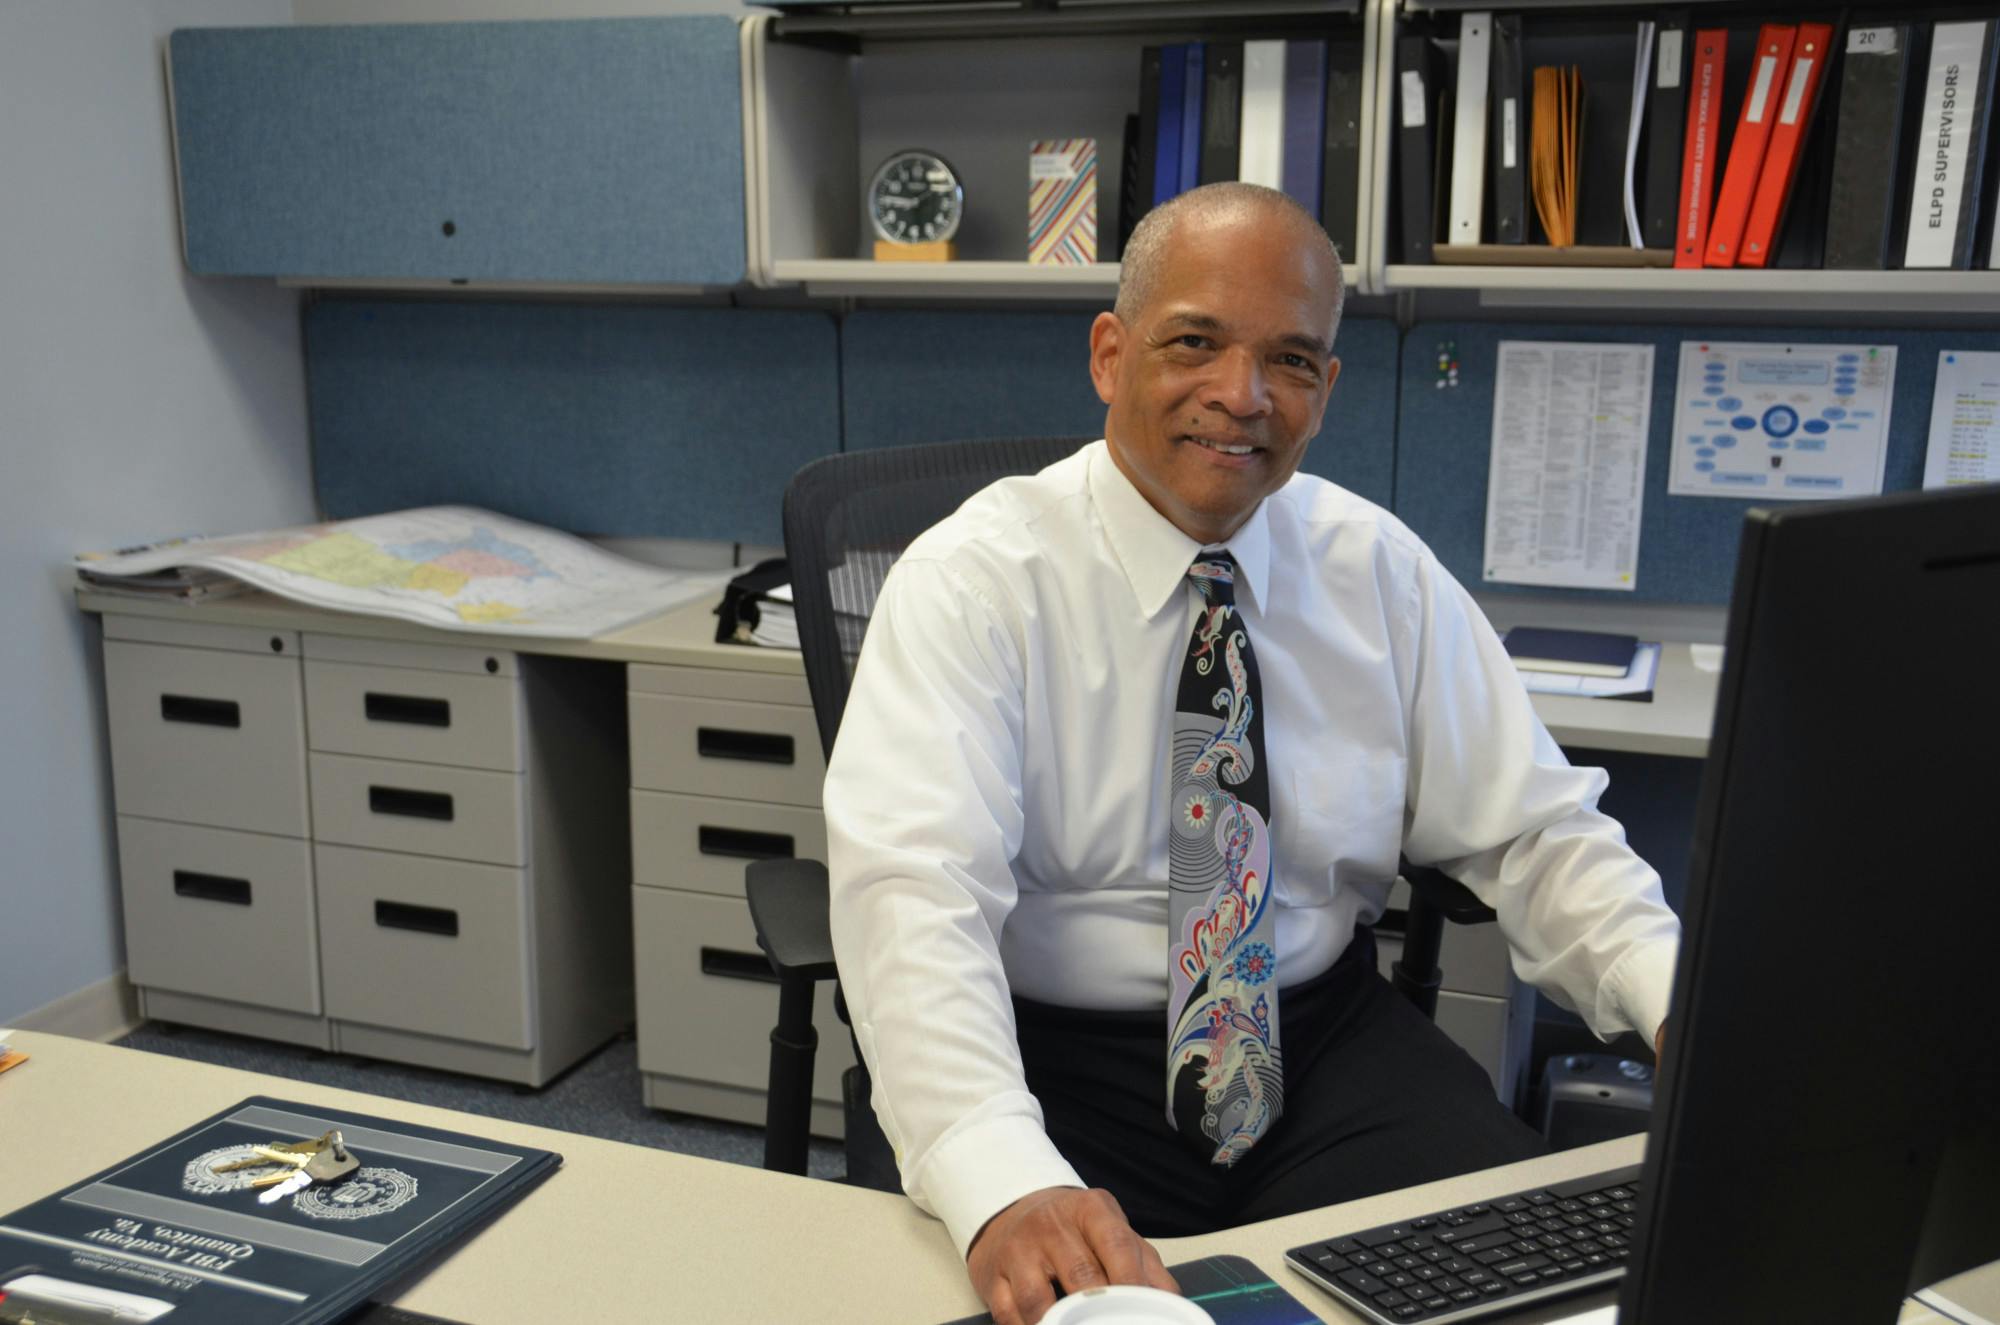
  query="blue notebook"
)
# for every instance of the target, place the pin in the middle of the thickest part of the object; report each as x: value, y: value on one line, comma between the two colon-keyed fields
x: 1583, y: 652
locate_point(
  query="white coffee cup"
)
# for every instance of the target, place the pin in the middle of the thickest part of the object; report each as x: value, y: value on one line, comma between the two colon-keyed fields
x: 1125, y: 1304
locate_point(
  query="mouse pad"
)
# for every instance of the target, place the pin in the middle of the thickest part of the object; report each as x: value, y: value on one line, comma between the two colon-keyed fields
x: 1229, y: 1288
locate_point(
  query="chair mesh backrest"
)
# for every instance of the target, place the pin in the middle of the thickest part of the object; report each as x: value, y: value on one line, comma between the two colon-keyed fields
x: 849, y: 516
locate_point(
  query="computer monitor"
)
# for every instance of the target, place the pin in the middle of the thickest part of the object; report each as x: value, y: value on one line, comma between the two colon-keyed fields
x: 1827, y: 1130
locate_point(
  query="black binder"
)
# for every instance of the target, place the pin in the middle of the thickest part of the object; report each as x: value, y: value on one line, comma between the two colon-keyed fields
x: 1507, y: 134
x: 1666, y: 127
x: 1149, y: 130
x: 1867, y: 147
x: 1222, y: 112
x: 1131, y: 203
x: 1975, y: 112
x: 1418, y: 109
x: 164, y: 1225
x: 1340, y: 180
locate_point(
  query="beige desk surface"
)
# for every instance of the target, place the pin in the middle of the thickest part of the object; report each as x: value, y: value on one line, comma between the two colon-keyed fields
x: 627, y: 1233
x: 1676, y: 722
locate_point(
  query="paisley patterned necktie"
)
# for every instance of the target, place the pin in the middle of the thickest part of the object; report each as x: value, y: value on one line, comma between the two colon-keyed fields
x: 1225, y: 1085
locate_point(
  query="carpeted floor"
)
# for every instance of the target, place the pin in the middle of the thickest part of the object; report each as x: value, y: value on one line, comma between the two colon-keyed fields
x: 600, y: 1096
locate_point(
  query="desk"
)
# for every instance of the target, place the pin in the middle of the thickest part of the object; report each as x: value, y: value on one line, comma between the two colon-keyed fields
x: 623, y: 1232
x: 695, y: 814
x: 1676, y: 722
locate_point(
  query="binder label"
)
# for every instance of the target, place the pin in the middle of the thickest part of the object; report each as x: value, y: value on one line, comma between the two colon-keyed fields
x: 1509, y: 135
x: 1871, y: 41
x: 1767, y: 69
x: 1413, y: 99
x: 1795, y: 91
x: 1670, y: 57
x: 1949, y: 113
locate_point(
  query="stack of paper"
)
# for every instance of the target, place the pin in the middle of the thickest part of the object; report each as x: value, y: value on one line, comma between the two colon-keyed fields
x: 182, y: 584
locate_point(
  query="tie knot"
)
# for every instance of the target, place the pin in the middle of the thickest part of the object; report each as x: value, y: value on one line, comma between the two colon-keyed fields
x: 1214, y: 573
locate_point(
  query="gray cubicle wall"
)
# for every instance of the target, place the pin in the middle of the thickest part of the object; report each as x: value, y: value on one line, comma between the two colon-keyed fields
x: 1687, y: 547
x: 604, y: 419
x: 910, y: 377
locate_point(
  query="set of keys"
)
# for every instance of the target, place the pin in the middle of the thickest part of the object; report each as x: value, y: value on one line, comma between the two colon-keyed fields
x: 295, y: 1165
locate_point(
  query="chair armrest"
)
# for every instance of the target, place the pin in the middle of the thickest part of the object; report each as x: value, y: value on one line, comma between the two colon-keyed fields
x: 1446, y: 895
x: 788, y: 905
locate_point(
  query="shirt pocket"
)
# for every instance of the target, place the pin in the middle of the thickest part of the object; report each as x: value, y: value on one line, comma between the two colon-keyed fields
x: 1347, y: 820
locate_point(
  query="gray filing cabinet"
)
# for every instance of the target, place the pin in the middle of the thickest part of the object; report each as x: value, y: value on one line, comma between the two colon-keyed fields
x: 1481, y: 1006
x: 726, y: 769
x: 404, y: 851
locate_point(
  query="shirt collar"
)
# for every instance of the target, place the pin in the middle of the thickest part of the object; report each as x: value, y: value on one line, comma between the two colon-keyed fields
x: 1154, y: 553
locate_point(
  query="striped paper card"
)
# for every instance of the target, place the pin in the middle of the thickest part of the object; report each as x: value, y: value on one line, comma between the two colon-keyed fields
x: 1062, y: 201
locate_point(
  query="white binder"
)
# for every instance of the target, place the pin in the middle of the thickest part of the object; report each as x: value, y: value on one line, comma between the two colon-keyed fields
x: 1468, y: 134
x: 1261, y: 153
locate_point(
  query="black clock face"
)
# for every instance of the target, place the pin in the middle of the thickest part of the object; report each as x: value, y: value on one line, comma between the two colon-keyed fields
x: 915, y: 199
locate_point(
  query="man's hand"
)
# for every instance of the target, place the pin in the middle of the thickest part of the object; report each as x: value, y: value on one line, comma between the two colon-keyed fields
x: 1058, y: 1235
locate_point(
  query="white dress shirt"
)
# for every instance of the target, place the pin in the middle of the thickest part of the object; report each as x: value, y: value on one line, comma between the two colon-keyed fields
x: 996, y: 810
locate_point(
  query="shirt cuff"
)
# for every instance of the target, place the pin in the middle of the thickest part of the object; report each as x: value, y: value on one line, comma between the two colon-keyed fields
x: 1641, y: 985
x: 980, y: 1170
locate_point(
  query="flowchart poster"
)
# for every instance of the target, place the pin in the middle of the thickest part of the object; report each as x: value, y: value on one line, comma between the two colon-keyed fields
x: 1781, y: 422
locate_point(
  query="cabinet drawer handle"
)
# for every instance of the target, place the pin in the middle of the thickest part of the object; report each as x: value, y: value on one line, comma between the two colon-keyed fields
x: 211, y: 888
x: 202, y: 712
x: 752, y: 966
x: 421, y: 919
x: 412, y: 710
x: 410, y: 804
x: 757, y: 747
x: 743, y: 844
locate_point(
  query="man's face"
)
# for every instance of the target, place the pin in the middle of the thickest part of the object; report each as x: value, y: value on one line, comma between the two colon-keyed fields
x: 1222, y: 378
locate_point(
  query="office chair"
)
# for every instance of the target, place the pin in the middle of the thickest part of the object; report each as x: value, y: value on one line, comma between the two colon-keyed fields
x: 846, y: 520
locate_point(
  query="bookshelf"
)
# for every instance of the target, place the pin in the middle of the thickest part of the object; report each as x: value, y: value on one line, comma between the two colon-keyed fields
x: 1907, y: 296
x: 829, y: 95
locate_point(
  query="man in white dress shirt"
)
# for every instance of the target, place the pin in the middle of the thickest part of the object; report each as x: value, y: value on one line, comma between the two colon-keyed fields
x: 998, y: 818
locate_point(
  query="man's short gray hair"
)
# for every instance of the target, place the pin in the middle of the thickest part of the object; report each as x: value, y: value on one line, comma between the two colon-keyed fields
x: 1144, y: 253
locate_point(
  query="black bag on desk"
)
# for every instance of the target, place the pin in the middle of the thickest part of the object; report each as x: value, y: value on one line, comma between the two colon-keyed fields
x: 739, y: 612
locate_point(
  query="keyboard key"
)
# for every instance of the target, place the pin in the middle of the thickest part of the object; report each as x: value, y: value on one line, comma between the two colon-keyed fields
x: 1363, y: 1256
x: 1389, y: 1251
x: 1483, y: 1241
x: 1344, y: 1247
x: 1421, y: 1224
x: 1573, y: 1266
x: 1477, y: 1209
x: 1434, y: 1254
x: 1400, y: 1279
x: 1419, y: 1241
x: 1437, y: 1303
x: 1428, y: 1272
x: 1408, y: 1311
x: 1619, y: 1193
x: 1408, y: 1262
x: 1465, y: 1295
x: 1593, y: 1198
x: 1493, y: 1254
x: 1392, y: 1298
x: 1471, y: 1228
x: 1375, y: 1239
x: 1510, y: 1205
x: 1526, y: 1278
x: 1475, y: 1278
x: 1454, y: 1265
x: 1570, y: 1207
x: 1493, y: 1287
x: 1447, y: 1283
x: 1537, y: 1198
x: 1362, y: 1283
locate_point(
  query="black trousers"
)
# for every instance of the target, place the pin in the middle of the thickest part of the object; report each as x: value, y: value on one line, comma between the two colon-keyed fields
x: 1376, y: 1097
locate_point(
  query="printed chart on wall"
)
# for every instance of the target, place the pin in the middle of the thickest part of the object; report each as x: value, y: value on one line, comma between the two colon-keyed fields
x: 1567, y: 479
x: 1965, y: 421
x: 1781, y: 422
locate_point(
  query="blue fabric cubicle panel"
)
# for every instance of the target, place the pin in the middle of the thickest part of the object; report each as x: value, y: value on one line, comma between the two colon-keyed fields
x: 576, y: 150
x: 603, y: 419
x: 1687, y: 545
x: 911, y: 377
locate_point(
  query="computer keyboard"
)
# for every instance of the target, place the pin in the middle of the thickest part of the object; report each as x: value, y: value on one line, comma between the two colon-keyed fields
x: 1487, y: 1259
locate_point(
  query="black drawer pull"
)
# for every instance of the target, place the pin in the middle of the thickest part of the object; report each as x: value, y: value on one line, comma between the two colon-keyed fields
x: 203, y: 712
x: 757, y: 747
x: 752, y: 966
x: 421, y: 919
x: 410, y: 804
x: 746, y: 845
x: 413, y: 710
x: 211, y: 888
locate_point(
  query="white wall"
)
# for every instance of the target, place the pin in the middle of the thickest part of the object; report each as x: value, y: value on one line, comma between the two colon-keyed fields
x: 135, y: 402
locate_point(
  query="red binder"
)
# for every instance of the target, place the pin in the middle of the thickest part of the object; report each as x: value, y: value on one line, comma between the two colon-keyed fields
x: 1811, y: 54
x: 1761, y: 102
x: 1704, y: 123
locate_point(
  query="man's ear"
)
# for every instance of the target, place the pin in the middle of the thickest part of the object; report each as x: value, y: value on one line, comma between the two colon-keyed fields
x: 1326, y: 394
x: 1107, y: 342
